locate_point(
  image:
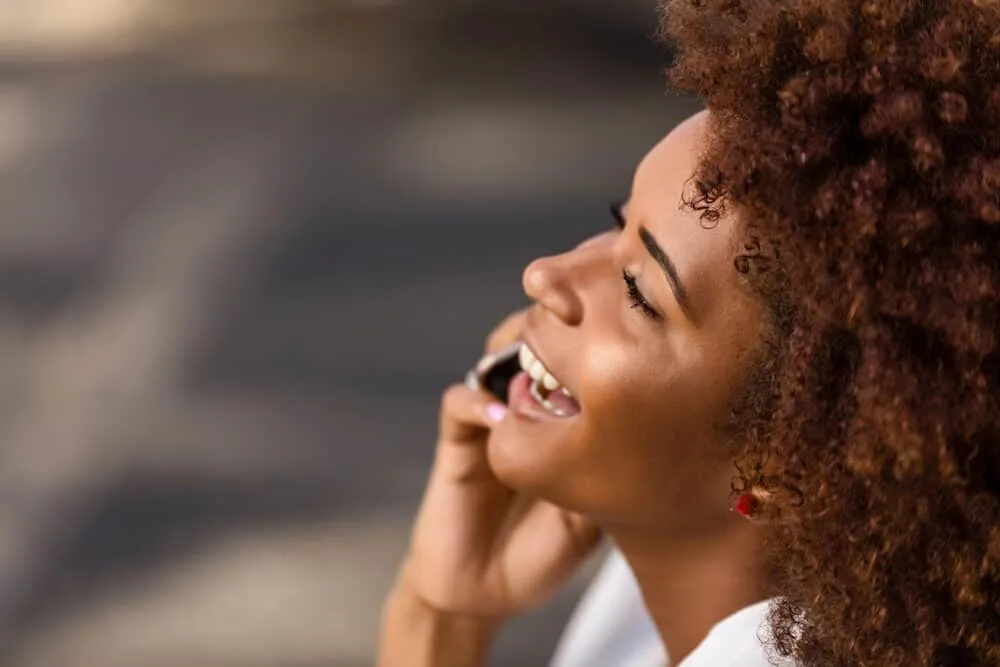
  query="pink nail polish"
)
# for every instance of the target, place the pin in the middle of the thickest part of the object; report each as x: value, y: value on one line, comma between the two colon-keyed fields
x: 496, y: 412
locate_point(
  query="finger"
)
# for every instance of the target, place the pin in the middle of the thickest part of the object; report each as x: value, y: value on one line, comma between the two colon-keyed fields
x: 507, y: 332
x: 466, y: 414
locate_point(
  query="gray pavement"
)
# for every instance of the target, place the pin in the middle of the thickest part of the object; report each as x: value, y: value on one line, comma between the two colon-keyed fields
x: 228, y: 304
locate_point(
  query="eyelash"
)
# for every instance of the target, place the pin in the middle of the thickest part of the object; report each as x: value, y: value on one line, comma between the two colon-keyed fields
x: 635, y: 296
x: 616, y: 213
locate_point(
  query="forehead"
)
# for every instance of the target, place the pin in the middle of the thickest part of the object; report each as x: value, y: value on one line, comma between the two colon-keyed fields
x: 673, y: 160
x: 704, y: 257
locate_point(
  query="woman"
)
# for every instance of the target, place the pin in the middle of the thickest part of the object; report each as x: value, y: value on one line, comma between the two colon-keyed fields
x: 842, y: 394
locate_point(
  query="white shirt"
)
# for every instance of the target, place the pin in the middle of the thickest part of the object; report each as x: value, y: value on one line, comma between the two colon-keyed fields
x: 610, y: 628
x: 739, y: 640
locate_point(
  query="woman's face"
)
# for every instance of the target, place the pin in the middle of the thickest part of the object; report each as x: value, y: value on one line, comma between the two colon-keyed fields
x: 651, y: 330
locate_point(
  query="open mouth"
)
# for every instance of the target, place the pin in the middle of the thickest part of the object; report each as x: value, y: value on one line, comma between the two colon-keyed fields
x: 544, y: 389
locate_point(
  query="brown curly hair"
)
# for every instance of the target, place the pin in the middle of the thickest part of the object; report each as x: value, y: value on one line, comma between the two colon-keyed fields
x: 863, y: 138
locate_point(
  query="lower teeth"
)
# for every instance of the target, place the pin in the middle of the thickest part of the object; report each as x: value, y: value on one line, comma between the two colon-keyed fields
x: 537, y: 390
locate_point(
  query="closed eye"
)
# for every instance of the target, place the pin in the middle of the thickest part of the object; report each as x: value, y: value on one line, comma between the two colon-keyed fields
x: 638, y: 299
x: 632, y: 291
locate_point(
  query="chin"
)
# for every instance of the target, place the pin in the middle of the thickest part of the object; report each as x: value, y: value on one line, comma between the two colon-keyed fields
x: 514, y: 462
x: 536, y: 458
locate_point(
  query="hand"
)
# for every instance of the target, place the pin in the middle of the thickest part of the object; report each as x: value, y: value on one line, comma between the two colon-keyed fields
x: 507, y: 332
x: 480, y: 549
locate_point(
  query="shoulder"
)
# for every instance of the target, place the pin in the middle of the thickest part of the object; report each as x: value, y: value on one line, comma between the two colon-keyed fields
x: 611, y: 626
x: 741, y: 640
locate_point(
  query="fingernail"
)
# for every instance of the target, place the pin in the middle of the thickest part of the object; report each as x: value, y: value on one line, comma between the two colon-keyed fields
x: 496, y: 412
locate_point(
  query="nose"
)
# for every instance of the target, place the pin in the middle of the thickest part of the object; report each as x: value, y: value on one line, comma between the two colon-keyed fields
x: 549, y: 281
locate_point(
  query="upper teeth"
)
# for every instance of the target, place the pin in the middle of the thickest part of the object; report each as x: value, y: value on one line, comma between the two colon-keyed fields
x: 536, y: 369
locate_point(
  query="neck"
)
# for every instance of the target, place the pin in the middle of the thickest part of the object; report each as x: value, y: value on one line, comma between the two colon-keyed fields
x: 690, y: 585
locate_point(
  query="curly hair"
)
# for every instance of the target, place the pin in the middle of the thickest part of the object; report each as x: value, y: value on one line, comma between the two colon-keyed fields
x: 863, y: 138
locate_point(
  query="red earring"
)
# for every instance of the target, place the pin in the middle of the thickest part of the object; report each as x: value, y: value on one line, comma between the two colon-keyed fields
x: 748, y: 491
x: 746, y: 504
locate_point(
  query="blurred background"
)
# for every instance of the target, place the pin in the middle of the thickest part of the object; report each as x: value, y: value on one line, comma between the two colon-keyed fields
x: 244, y: 246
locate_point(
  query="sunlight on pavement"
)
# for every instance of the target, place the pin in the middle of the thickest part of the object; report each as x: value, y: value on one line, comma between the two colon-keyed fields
x: 256, y: 599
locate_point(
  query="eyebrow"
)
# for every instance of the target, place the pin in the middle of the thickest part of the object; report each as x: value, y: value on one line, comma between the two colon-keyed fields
x: 669, y: 270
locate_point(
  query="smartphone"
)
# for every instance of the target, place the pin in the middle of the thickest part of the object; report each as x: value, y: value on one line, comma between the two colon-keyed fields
x: 494, y: 372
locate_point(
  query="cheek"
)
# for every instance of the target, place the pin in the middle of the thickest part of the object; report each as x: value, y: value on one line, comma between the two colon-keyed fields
x: 649, y: 437
x: 606, y: 369
x: 627, y: 397
x: 618, y: 376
